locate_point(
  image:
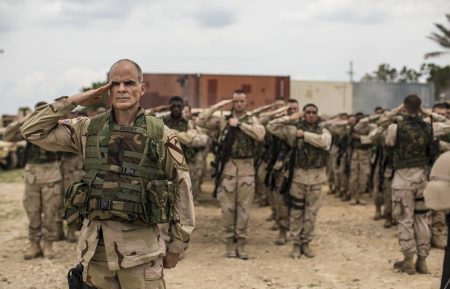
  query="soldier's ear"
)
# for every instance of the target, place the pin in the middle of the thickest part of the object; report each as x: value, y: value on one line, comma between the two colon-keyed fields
x: 143, y: 88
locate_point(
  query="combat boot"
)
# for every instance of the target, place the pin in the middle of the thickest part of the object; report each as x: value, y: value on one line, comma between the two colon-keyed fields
x: 281, y: 238
x: 296, y: 252
x: 71, y: 238
x: 307, y: 251
x: 33, y: 251
x: 407, y: 265
x: 353, y: 202
x: 377, y: 213
x: 230, y: 248
x: 47, y: 249
x: 241, y: 251
x: 421, y: 265
x: 388, y: 222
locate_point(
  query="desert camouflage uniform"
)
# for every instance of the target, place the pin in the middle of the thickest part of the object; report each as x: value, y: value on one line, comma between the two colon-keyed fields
x: 340, y: 134
x: 193, y: 141
x: 72, y: 166
x: 305, y: 192
x: 42, y: 175
x: 360, y: 161
x: 117, y: 253
x: 237, y: 187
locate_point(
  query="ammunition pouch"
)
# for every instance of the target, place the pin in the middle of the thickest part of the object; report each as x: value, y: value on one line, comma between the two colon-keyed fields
x: 75, y: 199
x: 159, y: 197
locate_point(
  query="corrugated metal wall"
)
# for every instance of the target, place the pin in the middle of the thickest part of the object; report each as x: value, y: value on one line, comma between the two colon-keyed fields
x: 367, y: 96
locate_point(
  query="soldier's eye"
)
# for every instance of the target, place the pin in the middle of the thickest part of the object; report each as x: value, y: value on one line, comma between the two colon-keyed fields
x: 114, y: 83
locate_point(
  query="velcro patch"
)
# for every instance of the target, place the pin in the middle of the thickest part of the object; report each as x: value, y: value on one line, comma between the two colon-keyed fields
x: 175, y: 150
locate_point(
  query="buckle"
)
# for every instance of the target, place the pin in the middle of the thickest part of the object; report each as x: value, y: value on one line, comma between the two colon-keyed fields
x: 105, y: 205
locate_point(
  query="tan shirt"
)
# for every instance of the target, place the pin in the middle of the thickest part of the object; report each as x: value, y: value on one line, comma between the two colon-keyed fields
x: 234, y: 167
x: 126, y: 244
x: 283, y: 129
x: 34, y: 173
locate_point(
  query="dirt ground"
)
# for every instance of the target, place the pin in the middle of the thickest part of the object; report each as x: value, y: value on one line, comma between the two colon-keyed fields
x: 352, y: 251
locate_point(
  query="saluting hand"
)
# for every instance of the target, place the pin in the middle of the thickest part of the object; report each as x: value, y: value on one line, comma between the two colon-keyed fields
x: 88, y: 97
x: 297, y: 115
x: 223, y: 103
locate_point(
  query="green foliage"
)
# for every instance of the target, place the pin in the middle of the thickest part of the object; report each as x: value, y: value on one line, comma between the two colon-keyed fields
x: 442, y: 38
x: 439, y: 75
x: 388, y: 74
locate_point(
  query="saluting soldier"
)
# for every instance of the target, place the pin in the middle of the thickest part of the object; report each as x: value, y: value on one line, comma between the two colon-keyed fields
x: 240, y: 132
x: 136, y: 177
x: 310, y: 145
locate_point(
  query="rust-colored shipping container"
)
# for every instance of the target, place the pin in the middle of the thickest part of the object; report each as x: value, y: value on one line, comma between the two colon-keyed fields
x: 204, y: 90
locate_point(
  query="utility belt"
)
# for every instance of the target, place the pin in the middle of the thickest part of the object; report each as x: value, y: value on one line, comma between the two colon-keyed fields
x: 154, y: 205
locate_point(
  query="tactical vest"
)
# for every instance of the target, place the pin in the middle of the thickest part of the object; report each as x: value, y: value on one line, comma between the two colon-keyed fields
x: 36, y: 155
x: 243, y: 146
x: 124, y: 173
x: 181, y: 124
x: 356, y: 143
x: 412, y: 143
x: 309, y: 156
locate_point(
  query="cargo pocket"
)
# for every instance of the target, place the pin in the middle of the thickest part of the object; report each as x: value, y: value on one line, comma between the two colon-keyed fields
x: 397, y: 207
x: 74, y: 202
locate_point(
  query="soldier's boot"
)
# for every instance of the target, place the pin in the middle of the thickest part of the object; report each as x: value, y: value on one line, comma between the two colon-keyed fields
x: 439, y: 241
x: 71, y: 238
x: 388, y: 221
x: 361, y: 202
x: 353, y: 202
x: 345, y: 197
x: 421, y: 265
x: 296, y: 252
x: 275, y: 227
x: 407, y: 265
x: 47, y: 249
x: 33, y: 251
x: 281, y: 240
x: 307, y: 251
x: 377, y: 213
x: 230, y: 248
x: 241, y: 251
x: 271, y: 217
x: 60, y: 231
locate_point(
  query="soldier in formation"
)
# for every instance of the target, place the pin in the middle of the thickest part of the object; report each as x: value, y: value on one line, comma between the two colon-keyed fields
x: 238, y: 134
x: 43, y: 191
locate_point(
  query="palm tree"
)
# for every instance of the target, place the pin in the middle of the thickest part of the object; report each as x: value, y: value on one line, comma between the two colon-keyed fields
x: 442, y: 39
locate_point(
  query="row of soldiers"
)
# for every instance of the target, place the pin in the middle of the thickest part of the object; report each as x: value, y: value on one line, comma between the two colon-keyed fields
x: 290, y: 163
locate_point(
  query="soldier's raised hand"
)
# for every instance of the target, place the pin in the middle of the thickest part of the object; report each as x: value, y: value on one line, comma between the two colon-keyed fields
x: 223, y: 103
x: 296, y: 115
x: 88, y: 97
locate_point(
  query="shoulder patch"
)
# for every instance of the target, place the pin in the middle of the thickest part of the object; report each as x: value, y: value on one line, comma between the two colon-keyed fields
x: 65, y: 121
x: 174, y: 147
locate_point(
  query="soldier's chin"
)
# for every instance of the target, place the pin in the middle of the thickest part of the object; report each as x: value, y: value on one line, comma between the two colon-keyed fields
x: 124, y: 105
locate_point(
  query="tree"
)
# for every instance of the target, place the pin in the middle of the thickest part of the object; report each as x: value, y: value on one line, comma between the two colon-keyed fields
x: 438, y: 75
x: 442, y: 37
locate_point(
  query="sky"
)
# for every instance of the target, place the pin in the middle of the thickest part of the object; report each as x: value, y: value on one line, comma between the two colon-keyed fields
x: 54, y: 48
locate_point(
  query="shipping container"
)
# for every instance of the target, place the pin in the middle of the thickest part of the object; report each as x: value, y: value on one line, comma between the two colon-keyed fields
x: 204, y: 90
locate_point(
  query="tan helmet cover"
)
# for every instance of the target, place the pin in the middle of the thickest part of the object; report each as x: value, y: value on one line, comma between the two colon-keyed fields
x: 437, y: 191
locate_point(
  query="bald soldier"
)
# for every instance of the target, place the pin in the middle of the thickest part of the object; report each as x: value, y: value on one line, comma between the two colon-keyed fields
x: 239, y: 132
x: 136, y: 178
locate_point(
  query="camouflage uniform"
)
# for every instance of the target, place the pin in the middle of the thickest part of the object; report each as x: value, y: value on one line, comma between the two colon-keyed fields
x: 117, y: 249
x: 411, y: 137
x: 237, y: 186
x: 309, y: 176
x: 42, y: 175
x: 340, y: 134
x: 360, y: 161
x: 73, y: 171
x: 193, y: 141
